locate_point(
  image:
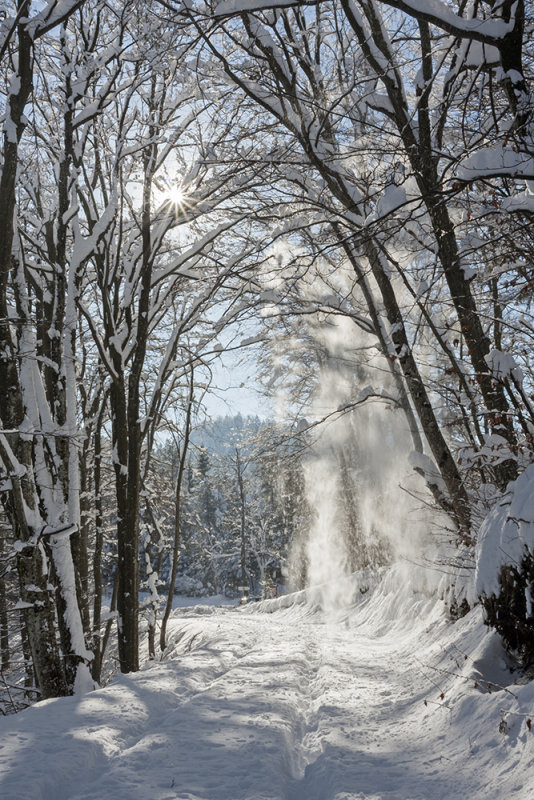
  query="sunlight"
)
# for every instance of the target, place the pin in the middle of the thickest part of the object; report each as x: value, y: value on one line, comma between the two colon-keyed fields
x: 175, y: 195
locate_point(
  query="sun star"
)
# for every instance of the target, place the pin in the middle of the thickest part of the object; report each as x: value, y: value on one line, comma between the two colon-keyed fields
x: 175, y: 195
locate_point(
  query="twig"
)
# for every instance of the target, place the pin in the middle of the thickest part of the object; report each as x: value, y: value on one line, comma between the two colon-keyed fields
x: 468, y: 678
x: 8, y: 691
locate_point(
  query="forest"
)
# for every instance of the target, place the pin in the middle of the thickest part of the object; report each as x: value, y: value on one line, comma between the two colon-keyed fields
x: 340, y: 192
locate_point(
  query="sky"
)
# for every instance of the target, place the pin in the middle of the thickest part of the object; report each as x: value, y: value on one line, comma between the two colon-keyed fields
x: 236, y: 388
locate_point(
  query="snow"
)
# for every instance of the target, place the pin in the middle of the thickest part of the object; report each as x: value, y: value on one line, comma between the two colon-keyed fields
x: 439, y: 13
x: 506, y: 533
x: 426, y: 467
x: 393, y: 198
x: 503, y: 365
x: 52, y: 14
x: 522, y: 201
x: 494, y: 161
x: 379, y: 697
x: 495, y: 450
x: 20, y: 604
x: 475, y: 54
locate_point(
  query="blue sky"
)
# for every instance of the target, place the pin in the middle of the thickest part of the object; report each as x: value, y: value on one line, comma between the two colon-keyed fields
x: 236, y: 388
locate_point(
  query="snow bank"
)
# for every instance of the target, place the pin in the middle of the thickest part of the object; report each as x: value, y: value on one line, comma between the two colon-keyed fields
x: 325, y: 597
x: 396, y: 597
x: 505, y: 534
x: 379, y: 697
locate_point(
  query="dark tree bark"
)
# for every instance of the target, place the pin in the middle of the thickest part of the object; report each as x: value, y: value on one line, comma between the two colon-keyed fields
x: 424, y: 161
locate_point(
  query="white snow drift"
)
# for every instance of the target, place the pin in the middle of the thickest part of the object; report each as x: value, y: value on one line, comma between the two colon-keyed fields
x: 379, y: 698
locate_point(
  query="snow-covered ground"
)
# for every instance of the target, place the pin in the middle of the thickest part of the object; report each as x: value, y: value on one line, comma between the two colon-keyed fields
x: 362, y: 693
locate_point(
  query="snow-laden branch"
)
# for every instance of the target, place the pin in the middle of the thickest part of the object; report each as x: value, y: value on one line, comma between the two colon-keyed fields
x: 440, y: 14
x: 435, y: 12
x: 498, y: 161
x: 55, y: 13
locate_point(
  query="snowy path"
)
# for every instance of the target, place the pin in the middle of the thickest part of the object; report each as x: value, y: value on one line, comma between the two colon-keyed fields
x: 281, y: 706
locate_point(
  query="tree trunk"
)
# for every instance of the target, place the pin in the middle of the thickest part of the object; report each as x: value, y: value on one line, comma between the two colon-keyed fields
x: 4, y: 626
x: 177, y: 513
x: 242, y: 520
x: 98, y: 548
x: 125, y: 465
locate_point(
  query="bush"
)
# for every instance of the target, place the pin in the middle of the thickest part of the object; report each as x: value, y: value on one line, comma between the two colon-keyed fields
x: 510, y: 611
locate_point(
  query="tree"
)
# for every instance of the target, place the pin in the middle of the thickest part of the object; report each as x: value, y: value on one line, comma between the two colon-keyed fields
x: 40, y: 472
x: 282, y: 62
x: 100, y: 287
x: 179, y: 486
